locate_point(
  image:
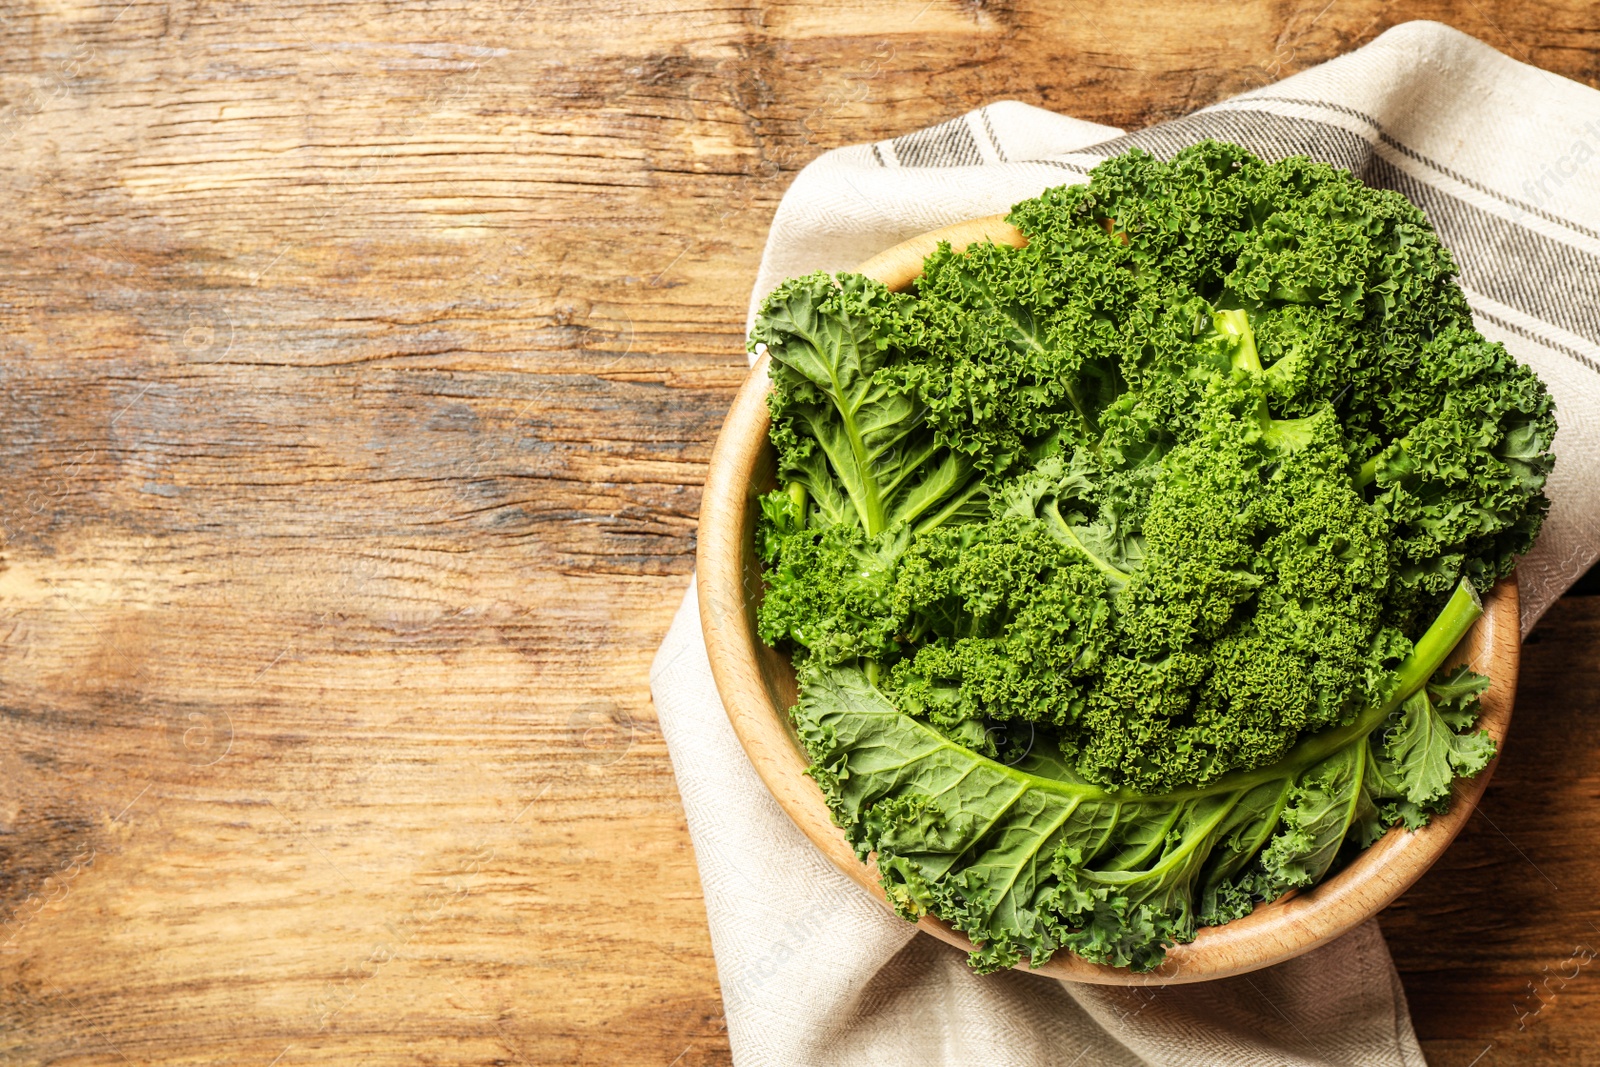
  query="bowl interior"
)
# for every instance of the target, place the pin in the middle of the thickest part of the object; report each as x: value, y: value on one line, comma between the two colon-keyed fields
x: 757, y: 687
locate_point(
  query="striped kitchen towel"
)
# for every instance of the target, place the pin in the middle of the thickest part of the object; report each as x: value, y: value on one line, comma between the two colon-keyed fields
x: 1505, y: 160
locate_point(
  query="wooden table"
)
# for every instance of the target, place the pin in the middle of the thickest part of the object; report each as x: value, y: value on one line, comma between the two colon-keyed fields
x: 360, y: 364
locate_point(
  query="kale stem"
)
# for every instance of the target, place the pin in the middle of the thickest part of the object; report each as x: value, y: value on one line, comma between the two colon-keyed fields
x: 1369, y: 470
x: 1367, y: 474
x: 1431, y: 649
x: 1235, y: 323
x: 797, y: 493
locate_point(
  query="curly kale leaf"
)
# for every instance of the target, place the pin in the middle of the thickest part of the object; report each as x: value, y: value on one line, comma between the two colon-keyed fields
x: 1020, y: 348
x: 1067, y: 496
x: 830, y: 589
x: 845, y: 430
x: 1255, y: 617
x: 1006, y: 624
x: 1029, y: 859
x: 860, y: 465
x: 1424, y: 746
x: 1463, y: 488
x: 1246, y: 577
x: 1354, y: 305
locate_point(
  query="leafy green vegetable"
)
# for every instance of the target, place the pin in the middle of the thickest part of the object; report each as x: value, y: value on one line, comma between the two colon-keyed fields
x: 1029, y: 859
x: 1106, y: 560
x: 845, y: 433
x: 1352, y: 304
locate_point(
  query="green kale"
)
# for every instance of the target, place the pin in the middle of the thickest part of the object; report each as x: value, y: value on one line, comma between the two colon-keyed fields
x: 1155, y: 508
x: 1352, y: 304
x: 1242, y: 608
x: 1029, y: 859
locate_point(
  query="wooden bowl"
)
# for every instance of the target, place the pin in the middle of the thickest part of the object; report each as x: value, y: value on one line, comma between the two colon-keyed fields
x: 757, y: 688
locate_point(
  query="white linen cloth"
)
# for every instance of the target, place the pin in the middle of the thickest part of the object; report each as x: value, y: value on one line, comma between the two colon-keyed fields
x: 1505, y: 160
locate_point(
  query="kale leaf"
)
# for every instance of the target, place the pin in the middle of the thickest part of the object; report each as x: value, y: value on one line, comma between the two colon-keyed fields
x: 1029, y: 858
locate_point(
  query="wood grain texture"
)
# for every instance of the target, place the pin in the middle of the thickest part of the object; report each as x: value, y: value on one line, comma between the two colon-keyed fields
x: 360, y: 367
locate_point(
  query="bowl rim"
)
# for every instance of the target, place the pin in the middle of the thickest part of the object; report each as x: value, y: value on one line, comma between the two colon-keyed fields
x: 752, y: 679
